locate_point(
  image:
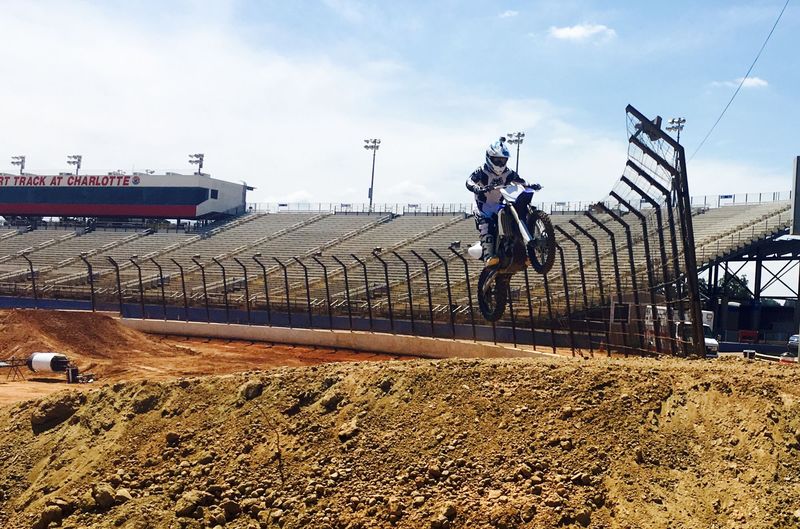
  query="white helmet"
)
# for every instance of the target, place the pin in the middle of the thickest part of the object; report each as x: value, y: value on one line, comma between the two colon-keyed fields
x: 497, y: 156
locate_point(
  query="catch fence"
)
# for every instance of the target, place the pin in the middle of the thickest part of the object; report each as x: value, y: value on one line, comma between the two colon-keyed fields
x: 624, y: 279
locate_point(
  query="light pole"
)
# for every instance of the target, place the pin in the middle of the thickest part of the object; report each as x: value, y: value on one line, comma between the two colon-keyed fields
x: 19, y: 160
x: 75, y: 159
x: 372, y: 144
x: 516, y: 138
x: 197, y: 159
x: 676, y: 125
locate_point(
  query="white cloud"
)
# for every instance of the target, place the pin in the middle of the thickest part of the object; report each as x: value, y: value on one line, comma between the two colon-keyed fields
x: 582, y: 32
x: 290, y: 125
x: 753, y: 82
x: 750, y: 82
x: 509, y: 13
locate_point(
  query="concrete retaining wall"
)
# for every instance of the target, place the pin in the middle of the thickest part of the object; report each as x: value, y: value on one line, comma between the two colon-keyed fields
x: 361, y: 341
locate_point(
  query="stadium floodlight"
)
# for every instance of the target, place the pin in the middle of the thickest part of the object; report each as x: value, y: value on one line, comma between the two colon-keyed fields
x: 676, y: 125
x: 372, y: 144
x: 75, y: 159
x: 19, y: 160
x: 197, y: 159
x: 516, y: 138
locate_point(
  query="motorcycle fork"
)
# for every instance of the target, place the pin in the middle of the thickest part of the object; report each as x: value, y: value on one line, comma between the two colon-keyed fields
x: 523, y: 229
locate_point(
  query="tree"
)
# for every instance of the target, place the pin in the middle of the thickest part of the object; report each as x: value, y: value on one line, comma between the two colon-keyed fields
x: 734, y: 289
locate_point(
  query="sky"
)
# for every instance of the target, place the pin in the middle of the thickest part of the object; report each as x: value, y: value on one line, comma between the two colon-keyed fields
x: 282, y: 94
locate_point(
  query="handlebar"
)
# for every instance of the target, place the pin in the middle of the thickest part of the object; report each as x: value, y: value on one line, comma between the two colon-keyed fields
x: 498, y: 186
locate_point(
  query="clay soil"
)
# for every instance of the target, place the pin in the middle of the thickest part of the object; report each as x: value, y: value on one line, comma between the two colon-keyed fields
x: 98, y: 344
x: 619, y: 443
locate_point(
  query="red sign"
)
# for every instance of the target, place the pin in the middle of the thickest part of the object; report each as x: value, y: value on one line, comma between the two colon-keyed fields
x: 65, y: 181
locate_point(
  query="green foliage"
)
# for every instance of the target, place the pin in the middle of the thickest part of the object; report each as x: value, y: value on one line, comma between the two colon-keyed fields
x: 735, y: 288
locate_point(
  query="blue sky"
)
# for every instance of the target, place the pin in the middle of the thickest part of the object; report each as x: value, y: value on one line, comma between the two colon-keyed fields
x: 281, y: 94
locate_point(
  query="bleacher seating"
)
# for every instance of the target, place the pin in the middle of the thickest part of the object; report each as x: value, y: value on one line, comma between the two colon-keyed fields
x: 326, y: 235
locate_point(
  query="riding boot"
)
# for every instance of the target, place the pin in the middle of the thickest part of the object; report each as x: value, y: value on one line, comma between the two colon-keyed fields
x: 489, y: 256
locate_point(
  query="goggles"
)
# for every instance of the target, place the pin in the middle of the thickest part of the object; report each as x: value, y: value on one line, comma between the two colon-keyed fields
x: 499, y: 161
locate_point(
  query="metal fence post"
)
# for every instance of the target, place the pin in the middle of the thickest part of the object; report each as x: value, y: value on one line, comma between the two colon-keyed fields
x: 469, y: 290
x: 266, y: 286
x: 566, y: 298
x: 286, y: 285
x: 224, y: 290
x: 530, y: 308
x: 119, y: 284
x: 511, y: 313
x: 428, y: 285
x: 33, y: 275
x: 366, y: 288
x: 195, y: 260
x: 550, y: 312
x: 91, y: 277
x: 375, y: 253
x: 316, y: 257
x: 161, y: 281
x: 449, y: 292
x: 246, y: 288
x: 408, y: 287
x: 134, y: 259
x: 308, y: 292
x: 583, y: 285
x: 346, y: 291
x: 599, y: 270
x: 183, y: 289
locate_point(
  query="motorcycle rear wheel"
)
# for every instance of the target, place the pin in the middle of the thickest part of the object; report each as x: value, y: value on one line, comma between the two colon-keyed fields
x: 542, y: 249
x: 492, y: 298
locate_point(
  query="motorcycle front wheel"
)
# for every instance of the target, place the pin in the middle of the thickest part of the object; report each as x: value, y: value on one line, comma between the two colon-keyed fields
x: 492, y: 294
x: 542, y: 249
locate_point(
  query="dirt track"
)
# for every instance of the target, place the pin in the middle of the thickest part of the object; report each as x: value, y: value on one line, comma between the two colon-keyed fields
x: 435, y: 444
x: 100, y: 345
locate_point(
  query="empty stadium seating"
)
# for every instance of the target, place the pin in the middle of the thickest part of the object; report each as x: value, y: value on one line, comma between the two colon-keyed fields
x: 316, y: 238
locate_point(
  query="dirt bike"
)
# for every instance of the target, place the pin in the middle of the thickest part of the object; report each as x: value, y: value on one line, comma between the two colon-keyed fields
x: 524, y: 234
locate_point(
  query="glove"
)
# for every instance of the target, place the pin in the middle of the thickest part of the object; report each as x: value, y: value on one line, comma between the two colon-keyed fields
x: 536, y: 187
x: 480, y: 190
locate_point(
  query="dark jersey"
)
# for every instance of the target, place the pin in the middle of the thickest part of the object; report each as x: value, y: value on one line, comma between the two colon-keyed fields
x: 489, y: 203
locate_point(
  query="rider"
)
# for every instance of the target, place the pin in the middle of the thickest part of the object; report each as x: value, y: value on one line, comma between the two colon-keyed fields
x: 492, y: 173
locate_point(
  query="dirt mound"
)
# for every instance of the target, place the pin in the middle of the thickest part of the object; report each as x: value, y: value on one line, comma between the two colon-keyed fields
x: 83, y: 335
x: 433, y: 444
x: 102, y: 345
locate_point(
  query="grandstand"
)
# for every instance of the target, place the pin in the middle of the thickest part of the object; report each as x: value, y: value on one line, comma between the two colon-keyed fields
x: 56, y: 253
